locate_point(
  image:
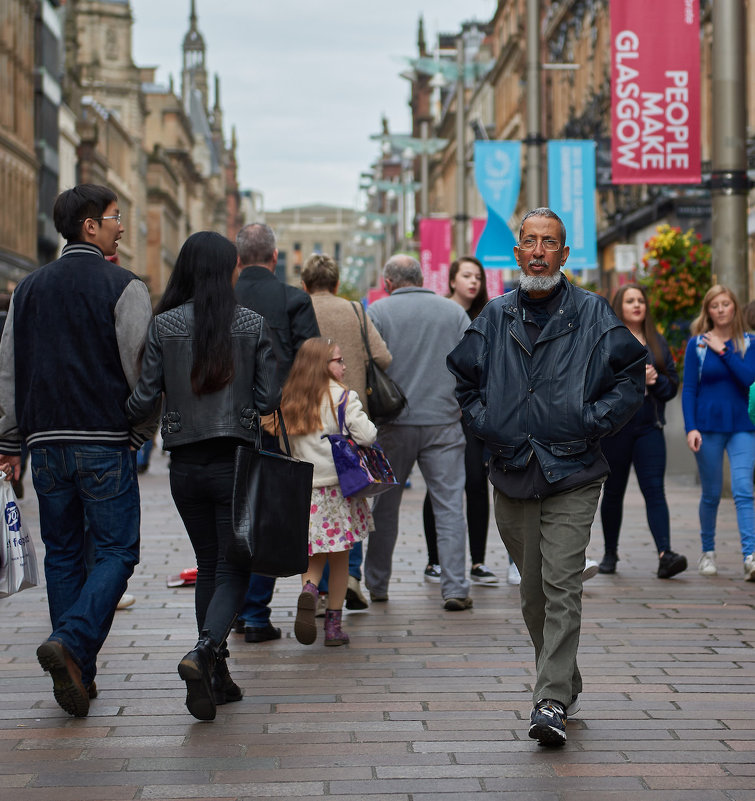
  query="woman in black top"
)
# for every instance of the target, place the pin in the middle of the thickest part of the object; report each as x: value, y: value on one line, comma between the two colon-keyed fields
x: 214, y: 363
x: 640, y: 442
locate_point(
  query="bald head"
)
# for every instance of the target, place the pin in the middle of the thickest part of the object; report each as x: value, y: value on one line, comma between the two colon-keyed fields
x: 400, y: 271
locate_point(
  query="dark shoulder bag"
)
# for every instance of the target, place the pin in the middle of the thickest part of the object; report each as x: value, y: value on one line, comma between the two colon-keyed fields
x: 385, y: 398
x: 272, y: 493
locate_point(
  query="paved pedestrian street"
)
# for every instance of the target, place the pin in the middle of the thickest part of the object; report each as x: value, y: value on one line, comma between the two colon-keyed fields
x: 424, y: 704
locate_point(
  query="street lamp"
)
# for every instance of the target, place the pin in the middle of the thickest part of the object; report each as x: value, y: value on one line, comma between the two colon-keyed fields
x: 461, y: 72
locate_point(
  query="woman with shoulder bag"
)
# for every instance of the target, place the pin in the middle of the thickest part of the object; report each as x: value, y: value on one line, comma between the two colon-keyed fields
x: 214, y: 361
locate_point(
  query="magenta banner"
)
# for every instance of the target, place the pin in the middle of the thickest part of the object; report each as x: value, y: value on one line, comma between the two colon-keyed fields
x: 655, y: 91
x: 435, y: 252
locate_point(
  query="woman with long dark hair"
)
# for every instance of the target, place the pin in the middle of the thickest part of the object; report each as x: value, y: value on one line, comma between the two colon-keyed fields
x: 641, y: 442
x: 214, y: 363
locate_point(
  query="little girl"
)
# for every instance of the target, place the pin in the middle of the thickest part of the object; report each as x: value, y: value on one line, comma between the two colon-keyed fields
x: 311, y: 396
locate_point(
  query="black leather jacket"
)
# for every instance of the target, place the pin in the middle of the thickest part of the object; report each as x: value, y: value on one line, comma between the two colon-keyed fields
x: 166, y: 367
x: 584, y: 378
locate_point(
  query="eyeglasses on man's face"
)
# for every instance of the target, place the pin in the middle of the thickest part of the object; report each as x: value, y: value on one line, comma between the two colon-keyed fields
x: 530, y: 243
x: 116, y: 217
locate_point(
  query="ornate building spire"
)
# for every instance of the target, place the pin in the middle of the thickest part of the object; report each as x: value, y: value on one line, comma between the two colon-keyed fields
x: 194, y: 75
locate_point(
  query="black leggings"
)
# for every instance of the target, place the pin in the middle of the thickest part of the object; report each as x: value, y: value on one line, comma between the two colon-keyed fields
x: 202, y: 494
x: 478, y: 503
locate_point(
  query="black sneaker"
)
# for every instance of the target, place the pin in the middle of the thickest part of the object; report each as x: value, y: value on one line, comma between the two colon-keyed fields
x: 670, y: 564
x: 548, y: 723
x: 608, y: 565
x: 481, y: 575
x: 432, y: 574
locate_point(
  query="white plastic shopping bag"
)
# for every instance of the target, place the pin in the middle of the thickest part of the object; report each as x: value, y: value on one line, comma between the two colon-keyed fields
x: 18, y: 560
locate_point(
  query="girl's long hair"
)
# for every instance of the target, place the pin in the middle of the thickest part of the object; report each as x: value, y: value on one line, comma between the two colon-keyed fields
x: 204, y: 273
x: 307, y: 382
x: 702, y: 323
x: 649, y: 330
x: 478, y: 304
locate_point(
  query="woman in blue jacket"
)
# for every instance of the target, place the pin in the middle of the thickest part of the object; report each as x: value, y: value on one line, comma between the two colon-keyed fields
x: 719, y: 368
x: 641, y: 442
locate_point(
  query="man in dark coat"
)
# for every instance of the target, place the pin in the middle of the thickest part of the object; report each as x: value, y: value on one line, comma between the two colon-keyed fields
x: 542, y: 374
x: 291, y: 318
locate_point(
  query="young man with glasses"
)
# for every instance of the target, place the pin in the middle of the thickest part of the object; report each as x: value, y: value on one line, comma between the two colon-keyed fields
x: 541, y: 375
x: 68, y: 362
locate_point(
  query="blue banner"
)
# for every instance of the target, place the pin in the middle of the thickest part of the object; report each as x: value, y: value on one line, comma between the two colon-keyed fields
x: 498, y: 174
x: 571, y: 194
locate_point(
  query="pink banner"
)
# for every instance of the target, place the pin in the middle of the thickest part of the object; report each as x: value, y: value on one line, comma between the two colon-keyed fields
x: 655, y: 91
x: 435, y: 252
x: 375, y: 294
x: 493, y: 278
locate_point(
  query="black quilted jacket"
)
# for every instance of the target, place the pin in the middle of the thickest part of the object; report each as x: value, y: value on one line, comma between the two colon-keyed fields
x: 166, y: 367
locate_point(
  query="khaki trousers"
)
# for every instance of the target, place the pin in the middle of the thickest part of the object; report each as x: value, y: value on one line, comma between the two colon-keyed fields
x: 547, y: 539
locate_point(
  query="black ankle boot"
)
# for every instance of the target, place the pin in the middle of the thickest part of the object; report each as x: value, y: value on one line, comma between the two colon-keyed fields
x: 197, y: 669
x: 224, y: 688
x: 608, y: 565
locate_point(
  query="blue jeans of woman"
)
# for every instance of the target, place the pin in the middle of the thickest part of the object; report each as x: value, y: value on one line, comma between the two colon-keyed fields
x: 640, y: 444
x: 202, y: 494
x: 740, y: 447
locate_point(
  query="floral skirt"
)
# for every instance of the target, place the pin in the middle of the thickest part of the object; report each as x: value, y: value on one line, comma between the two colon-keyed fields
x: 335, y: 522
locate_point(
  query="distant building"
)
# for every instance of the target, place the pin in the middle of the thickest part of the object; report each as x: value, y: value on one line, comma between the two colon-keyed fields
x: 303, y: 230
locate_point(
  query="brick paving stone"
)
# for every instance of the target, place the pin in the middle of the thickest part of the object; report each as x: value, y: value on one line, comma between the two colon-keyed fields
x: 423, y: 704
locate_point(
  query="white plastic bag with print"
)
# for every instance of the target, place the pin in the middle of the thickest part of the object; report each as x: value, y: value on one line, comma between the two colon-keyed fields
x: 18, y: 560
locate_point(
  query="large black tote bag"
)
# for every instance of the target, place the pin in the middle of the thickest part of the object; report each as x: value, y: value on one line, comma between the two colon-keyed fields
x: 272, y: 493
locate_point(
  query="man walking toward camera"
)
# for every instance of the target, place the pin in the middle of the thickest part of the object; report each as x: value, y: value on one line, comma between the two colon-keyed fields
x: 68, y: 362
x: 541, y: 375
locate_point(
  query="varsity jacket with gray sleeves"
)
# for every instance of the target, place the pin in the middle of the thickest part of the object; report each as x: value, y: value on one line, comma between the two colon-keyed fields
x: 68, y: 356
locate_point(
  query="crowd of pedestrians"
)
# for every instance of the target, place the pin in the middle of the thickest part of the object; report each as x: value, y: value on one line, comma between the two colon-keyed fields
x: 548, y: 392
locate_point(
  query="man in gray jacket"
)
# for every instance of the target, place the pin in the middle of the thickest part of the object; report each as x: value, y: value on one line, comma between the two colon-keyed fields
x: 420, y: 329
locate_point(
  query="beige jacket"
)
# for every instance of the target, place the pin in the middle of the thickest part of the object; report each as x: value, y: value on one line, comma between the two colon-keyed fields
x: 312, y: 448
x: 337, y: 321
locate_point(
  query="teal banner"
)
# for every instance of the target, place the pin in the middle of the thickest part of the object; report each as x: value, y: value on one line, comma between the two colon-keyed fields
x: 571, y: 194
x: 498, y: 175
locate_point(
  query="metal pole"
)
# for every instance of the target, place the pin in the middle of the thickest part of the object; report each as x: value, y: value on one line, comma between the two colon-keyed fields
x: 534, y: 138
x: 424, y: 169
x: 460, y: 238
x: 729, y: 168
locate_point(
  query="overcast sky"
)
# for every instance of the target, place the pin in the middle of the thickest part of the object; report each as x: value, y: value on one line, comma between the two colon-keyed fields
x: 305, y: 83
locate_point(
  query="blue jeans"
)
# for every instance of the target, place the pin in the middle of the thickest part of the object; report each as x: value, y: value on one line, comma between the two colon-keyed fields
x: 143, y: 454
x: 96, y: 483
x: 255, y: 611
x: 740, y: 446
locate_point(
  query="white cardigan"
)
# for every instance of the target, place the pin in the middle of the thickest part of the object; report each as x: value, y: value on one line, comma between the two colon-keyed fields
x: 312, y: 448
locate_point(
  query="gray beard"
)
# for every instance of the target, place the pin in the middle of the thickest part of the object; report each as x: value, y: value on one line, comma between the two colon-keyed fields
x: 539, y: 283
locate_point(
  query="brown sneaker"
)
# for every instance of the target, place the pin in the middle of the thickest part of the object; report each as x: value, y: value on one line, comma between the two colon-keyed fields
x: 67, y: 687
